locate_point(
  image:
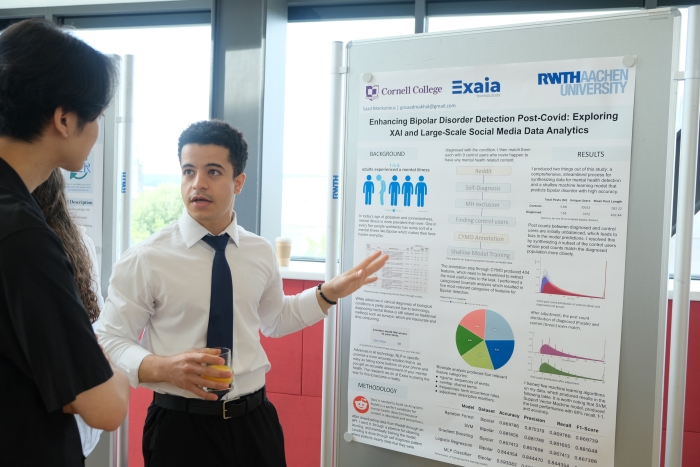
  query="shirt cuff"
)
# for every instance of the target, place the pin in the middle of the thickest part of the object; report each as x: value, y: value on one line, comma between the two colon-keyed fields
x: 309, y: 308
x: 130, y: 361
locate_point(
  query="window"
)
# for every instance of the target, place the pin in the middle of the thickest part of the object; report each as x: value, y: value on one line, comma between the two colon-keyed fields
x: 172, y: 76
x: 305, y: 166
x: 450, y: 23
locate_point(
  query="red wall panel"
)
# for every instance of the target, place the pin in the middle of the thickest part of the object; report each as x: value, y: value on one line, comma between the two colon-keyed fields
x: 301, y: 421
x: 691, y: 449
x: 292, y: 287
x: 692, y: 383
x: 284, y: 354
x: 312, y: 360
x: 139, y: 400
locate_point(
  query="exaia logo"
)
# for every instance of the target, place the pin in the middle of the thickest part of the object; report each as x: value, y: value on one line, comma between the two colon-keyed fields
x: 477, y: 87
x: 372, y: 92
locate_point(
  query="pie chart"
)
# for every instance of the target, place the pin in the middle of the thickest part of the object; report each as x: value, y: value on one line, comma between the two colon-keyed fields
x: 485, y: 339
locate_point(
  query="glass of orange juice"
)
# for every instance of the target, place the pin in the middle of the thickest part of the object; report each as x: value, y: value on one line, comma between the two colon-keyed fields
x: 226, y: 355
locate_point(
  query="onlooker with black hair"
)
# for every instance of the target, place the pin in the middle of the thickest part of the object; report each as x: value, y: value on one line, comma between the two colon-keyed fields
x: 52, y: 89
x: 205, y: 282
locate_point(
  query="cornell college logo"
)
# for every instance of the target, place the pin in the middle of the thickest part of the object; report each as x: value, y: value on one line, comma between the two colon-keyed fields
x: 372, y: 92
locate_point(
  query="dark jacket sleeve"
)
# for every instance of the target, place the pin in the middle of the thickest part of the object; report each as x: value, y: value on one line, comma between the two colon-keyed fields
x: 47, y: 320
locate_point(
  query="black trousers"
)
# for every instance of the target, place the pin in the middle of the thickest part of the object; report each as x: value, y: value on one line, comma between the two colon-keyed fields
x: 173, y: 439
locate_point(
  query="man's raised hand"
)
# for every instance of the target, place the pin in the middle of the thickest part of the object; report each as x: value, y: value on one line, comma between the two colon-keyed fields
x: 350, y: 281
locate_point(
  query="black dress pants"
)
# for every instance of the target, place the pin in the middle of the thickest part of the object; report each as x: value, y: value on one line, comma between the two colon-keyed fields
x: 174, y: 439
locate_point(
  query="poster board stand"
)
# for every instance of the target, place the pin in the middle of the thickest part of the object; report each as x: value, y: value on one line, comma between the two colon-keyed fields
x: 646, y: 42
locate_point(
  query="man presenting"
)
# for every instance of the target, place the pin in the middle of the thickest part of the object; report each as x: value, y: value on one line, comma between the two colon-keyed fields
x: 206, y: 282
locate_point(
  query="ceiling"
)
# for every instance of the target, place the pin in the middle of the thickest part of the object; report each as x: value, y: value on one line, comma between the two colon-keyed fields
x: 6, y: 4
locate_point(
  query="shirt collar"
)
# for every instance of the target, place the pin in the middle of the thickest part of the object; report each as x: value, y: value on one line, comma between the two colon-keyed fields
x: 11, y: 179
x: 192, y: 231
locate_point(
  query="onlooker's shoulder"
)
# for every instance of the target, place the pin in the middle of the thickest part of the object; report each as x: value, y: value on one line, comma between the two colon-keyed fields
x: 18, y: 214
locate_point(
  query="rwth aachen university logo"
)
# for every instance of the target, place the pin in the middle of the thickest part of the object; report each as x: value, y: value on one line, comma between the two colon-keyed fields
x: 582, y: 82
x: 372, y: 92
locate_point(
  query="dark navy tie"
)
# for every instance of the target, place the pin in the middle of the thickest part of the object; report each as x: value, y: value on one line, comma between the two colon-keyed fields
x: 220, y: 329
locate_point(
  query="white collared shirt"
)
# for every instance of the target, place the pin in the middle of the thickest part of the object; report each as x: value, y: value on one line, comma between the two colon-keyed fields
x: 163, y: 286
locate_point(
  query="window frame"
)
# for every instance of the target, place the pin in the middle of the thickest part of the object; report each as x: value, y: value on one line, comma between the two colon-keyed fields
x: 191, y: 12
x: 131, y: 20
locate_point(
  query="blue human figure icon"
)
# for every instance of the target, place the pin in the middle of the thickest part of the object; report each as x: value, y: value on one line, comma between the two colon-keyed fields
x: 407, y: 191
x: 368, y: 189
x: 394, y: 189
x: 382, y: 189
x: 421, y: 191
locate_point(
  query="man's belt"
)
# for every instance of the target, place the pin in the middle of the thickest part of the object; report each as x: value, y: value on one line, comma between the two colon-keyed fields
x: 227, y: 409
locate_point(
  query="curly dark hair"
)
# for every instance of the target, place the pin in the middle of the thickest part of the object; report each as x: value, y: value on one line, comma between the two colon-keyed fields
x: 218, y: 133
x: 51, y: 196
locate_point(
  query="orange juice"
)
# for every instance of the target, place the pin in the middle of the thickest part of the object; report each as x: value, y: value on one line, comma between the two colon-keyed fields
x: 228, y: 380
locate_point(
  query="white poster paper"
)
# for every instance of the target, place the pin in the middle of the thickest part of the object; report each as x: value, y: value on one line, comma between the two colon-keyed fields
x: 84, y: 193
x: 492, y: 336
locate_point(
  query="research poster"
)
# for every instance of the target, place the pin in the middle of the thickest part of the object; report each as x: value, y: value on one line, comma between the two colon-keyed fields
x: 84, y: 193
x: 500, y: 193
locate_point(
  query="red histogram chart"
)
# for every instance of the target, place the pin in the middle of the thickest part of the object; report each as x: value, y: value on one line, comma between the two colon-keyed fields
x: 574, y: 280
x: 485, y: 339
x: 554, y: 350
